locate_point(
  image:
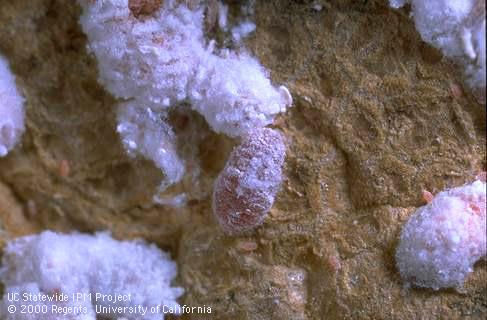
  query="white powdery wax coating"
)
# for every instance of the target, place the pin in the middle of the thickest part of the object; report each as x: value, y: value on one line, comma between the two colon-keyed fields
x: 146, y: 132
x: 11, y: 110
x: 162, y: 59
x: 235, y: 95
x: 51, y: 263
x: 441, y: 242
x: 457, y: 28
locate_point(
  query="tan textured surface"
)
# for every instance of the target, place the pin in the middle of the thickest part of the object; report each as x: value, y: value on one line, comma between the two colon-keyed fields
x: 378, y: 117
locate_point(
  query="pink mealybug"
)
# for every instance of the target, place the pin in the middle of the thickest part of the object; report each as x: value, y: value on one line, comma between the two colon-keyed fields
x: 244, y: 191
x: 442, y: 240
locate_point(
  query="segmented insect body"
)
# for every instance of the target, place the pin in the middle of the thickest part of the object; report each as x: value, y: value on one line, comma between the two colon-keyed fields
x: 245, y: 190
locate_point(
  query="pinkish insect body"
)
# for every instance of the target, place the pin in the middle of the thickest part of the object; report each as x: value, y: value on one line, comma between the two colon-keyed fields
x: 427, y: 196
x: 442, y: 240
x: 244, y: 191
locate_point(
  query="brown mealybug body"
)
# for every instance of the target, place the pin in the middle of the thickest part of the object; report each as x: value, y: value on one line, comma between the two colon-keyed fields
x: 244, y: 191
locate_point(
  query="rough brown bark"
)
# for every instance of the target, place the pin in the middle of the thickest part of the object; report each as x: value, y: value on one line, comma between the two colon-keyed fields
x: 375, y: 122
